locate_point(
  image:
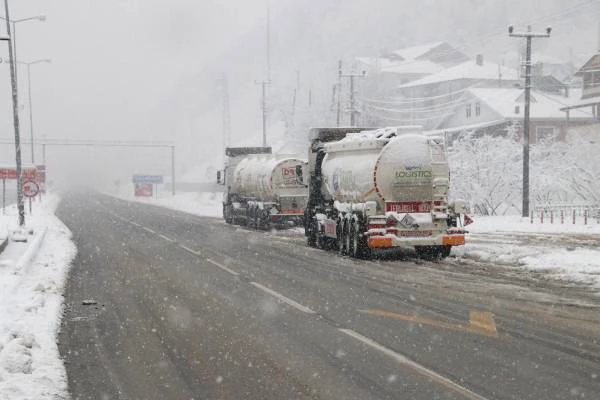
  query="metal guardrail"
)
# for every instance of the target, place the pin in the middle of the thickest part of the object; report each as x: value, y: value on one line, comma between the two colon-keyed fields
x: 566, y: 213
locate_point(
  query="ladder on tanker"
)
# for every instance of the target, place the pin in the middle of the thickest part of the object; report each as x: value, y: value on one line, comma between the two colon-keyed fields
x: 438, y: 155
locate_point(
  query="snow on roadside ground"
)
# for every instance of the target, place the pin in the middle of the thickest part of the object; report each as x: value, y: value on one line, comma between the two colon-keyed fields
x: 207, y: 204
x: 567, y: 252
x: 30, y: 307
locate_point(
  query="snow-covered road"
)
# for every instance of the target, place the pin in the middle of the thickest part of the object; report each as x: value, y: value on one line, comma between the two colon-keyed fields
x: 567, y: 252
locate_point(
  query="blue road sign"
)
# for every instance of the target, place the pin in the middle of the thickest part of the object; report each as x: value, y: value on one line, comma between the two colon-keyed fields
x: 148, y: 179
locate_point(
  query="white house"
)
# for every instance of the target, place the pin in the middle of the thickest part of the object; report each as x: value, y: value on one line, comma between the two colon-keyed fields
x: 498, y: 111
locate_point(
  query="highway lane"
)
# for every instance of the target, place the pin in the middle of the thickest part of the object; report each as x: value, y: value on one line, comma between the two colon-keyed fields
x: 193, y: 308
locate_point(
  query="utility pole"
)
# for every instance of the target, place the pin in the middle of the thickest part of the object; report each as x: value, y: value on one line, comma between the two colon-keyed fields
x: 351, y: 76
x: 15, y: 100
x: 339, y: 94
x: 265, y: 111
x: 266, y: 82
x: 268, y: 41
x: 528, y: 35
x: 226, y: 114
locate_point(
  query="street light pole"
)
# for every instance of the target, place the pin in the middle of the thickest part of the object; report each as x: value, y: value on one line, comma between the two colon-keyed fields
x: 528, y: 36
x: 14, y: 37
x: 29, y: 64
x: 15, y: 100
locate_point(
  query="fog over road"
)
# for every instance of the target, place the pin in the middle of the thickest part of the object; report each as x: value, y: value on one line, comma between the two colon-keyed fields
x: 190, y: 307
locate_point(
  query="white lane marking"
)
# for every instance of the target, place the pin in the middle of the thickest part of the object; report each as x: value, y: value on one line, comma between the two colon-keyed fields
x: 281, y: 297
x: 224, y: 268
x: 168, y: 239
x: 148, y: 229
x: 414, y: 365
x: 135, y: 224
x: 194, y: 252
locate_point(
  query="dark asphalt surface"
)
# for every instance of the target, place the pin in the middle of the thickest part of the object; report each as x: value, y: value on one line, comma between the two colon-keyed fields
x: 192, y: 308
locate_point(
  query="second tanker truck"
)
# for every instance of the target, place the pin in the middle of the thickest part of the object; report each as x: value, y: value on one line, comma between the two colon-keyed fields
x: 262, y: 190
x: 377, y: 189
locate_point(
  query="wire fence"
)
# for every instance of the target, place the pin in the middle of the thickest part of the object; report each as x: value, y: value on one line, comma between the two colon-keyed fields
x: 566, y: 214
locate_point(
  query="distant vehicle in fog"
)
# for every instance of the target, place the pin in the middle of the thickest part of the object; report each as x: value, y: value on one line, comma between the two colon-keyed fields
x: 262, y: 189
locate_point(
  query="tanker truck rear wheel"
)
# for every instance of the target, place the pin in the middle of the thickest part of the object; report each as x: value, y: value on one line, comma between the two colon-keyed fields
x: 341, y: 237
x: 432, y: 252
x: 227, y: 214
x: 353, y: 242
x: 319, y: 240
x: 349, y: 236
x: 311, y: 238
x: 360, y: 248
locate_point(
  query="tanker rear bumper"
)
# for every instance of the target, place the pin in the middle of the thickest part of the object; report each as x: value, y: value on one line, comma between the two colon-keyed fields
x: 389, y: 241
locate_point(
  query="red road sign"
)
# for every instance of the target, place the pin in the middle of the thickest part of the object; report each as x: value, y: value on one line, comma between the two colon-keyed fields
x: 143, y: 190
x: 28, y: 173
x: 30, y: 189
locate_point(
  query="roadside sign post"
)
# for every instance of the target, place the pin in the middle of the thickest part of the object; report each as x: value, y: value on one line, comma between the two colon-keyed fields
x: 29, y: 174
x: 30, y: 189
x: 144, y: 185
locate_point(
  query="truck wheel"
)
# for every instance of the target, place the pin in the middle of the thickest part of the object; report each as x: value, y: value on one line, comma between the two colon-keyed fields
x: 445, y: 251
x: 351, y: 243
x: 257, y: 221
x: 319, y: 240
x: 361, y: 246
x: 227, y: 214
x: 311, y: 238
x: 432, y: 252
x: 341, y: 237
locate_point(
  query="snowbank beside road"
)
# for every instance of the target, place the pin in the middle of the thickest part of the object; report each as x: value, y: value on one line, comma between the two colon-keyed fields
x: 30, y: 307
x: 564, y: 252
x: 204, y: 204
x: 514, y: 223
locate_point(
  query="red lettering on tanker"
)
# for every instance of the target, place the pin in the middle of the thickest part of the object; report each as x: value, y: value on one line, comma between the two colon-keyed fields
x: 289, y: 172
x: 408, y: 207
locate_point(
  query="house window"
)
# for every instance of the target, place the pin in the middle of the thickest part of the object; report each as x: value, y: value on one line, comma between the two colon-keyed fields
x: 595, y: 85
x: 477, y: 109
x: 544, y: 133
x: 468, y: 110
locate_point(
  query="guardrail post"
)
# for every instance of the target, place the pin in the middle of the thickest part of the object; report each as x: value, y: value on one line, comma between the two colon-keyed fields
x: 574, y: 214
x: 532, y: 216
x: 562, y: 217
x: 551, y: 217
x: 585, y: 216
x: 542, y: 217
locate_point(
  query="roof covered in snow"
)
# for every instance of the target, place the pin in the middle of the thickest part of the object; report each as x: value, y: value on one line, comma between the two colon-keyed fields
x: 544, y: 106
x: 414, y: 52
x: 423, y: 59
x: 413, y: 67
x: 467, y: 70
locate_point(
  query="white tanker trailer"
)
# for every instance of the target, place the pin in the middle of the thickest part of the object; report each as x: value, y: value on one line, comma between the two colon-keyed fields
x: 383, y: 188
x: 262, y: 189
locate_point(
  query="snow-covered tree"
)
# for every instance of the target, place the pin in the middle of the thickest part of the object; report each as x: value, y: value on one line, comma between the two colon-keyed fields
x: 487, y: 172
